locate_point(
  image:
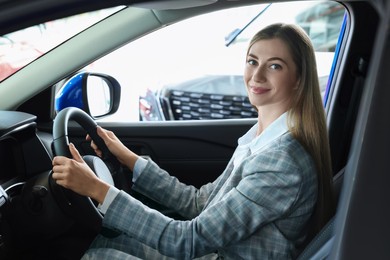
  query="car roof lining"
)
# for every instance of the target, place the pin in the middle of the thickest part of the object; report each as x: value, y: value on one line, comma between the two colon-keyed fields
x: 174, y: 4
x: 15, y: 15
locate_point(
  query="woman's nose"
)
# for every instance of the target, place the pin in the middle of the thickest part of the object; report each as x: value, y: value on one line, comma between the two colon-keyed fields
x: 259, y: 74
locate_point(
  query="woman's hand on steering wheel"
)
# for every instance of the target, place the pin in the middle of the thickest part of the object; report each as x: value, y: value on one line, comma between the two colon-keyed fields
x: 76, y: 175
x: 116, y: 147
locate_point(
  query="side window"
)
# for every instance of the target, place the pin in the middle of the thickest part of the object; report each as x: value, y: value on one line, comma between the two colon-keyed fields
x: 193, y: 69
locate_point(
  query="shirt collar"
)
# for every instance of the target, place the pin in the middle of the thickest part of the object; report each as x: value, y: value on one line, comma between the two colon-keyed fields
x: 272, y: 132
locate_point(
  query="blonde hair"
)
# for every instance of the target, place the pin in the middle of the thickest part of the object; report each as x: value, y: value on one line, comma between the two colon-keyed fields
x: 306, y: 116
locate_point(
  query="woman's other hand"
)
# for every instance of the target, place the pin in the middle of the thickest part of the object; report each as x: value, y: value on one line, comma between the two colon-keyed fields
x: 116, y: 147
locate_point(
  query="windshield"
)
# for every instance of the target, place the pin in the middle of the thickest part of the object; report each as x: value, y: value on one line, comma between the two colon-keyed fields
x: 19, y: 48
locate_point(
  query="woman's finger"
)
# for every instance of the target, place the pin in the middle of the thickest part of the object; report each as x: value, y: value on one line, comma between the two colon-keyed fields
x: 75, y: 153
x: 59, y: 160
x: 57, y: 168
x: 104, y: 134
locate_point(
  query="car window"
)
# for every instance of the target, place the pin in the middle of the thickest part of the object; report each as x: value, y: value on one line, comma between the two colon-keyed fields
x: 193, y: 69
x: 19, y: 48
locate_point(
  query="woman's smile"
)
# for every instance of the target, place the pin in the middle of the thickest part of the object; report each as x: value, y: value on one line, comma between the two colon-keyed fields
x: 259, y: 90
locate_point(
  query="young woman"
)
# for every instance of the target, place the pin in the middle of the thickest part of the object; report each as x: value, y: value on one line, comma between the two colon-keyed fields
x: 276, y: 187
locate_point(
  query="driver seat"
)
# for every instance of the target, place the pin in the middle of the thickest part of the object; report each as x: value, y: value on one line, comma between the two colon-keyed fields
x: 319, y: 247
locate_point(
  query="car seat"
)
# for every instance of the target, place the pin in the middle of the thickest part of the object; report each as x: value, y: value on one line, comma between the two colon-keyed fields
x: 319, y: 246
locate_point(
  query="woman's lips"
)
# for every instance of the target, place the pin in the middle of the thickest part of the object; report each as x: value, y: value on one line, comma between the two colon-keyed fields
x: 259, y: 90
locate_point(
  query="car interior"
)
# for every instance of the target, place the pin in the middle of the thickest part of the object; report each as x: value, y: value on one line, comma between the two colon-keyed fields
x: 38, y: 220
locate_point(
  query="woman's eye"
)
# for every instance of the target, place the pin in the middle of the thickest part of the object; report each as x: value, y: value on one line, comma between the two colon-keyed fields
x: 275, y: 66
x: 251, y: 62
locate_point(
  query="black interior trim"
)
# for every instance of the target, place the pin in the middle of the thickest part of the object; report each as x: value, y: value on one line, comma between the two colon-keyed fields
x: 346, y: 103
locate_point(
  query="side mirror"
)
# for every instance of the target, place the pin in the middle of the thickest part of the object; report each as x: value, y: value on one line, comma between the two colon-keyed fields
x: 96, y: 93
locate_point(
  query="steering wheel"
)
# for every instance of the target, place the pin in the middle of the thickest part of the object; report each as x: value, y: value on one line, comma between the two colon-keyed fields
x: 81, y: 208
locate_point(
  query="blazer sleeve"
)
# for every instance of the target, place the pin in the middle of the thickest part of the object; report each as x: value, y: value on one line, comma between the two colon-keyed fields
x: 262, y: 196
x: 167, y: 190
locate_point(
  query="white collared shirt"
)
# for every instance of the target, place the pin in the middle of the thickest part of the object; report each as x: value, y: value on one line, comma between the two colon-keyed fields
x: 249, y: 143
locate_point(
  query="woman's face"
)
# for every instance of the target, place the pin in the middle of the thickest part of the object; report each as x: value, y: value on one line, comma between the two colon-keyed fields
x: 270, y: 75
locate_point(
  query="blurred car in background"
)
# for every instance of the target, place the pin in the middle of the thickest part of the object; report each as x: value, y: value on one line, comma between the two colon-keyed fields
x: 15, y: 55
x: 207, y: 97
x: 19, y: 48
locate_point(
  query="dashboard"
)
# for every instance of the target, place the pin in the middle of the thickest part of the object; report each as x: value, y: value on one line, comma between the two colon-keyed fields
x: 29, y: 211
x: 22, y: 152
x: 35, y: 213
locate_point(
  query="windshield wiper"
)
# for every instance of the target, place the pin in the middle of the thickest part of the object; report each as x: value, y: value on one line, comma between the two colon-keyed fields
x: 229, y: 39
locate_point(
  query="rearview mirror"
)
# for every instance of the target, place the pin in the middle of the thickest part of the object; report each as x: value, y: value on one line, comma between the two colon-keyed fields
x: 96, y: 93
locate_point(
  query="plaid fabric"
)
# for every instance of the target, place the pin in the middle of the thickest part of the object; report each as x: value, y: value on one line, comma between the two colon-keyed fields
x: 255, y: 210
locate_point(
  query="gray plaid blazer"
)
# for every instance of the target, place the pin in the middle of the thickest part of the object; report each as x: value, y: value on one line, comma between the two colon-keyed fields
x: 254, y: 210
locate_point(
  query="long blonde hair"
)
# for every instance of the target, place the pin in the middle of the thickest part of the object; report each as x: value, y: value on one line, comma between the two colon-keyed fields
x: 306, y: 116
